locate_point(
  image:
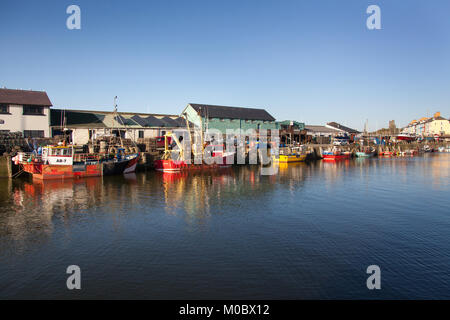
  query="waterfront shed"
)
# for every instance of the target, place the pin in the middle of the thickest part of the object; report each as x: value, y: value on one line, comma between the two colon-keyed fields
x: 83, y: 125
x: 223, y: 117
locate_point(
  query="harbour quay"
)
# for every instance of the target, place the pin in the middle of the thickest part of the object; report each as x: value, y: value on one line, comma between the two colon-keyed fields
x: 29, y: 122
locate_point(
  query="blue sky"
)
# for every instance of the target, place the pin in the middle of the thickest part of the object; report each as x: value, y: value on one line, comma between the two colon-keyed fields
x: 311, y: 61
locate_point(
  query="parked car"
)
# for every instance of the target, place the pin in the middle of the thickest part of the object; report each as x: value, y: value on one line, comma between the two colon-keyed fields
x: 340, y: 142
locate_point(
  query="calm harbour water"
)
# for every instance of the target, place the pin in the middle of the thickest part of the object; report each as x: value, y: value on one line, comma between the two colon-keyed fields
x: 308, y: 232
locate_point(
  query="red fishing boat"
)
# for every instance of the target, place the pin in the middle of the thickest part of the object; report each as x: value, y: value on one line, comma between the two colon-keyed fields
x: 335, y: 154
x: 406, y: 137
x: 386, y: 153
x: 172, y: 160
x: 60, y: 162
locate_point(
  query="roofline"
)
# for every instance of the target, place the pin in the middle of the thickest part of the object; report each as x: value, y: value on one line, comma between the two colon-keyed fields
x: 217, y: 105
x: 118, y: 112
x: 27, y: 104
x: 221, y: 106
x: 24, y: 90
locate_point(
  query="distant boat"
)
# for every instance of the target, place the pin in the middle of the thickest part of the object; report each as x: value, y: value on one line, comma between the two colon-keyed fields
x: 406, y: 137
x: 297, y: 154
x: 386, y: 153
x: 288, y: 158
x: 366, y: 153
x: 335, y: 154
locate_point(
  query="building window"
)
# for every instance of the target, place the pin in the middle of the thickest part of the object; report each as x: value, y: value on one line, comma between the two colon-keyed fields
x: 33, y: 133
x: 33, y: 110
x: 141, y: 134
x: 4, y: 108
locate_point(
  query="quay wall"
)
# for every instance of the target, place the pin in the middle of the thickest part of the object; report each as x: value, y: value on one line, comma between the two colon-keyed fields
x: 6, y: 170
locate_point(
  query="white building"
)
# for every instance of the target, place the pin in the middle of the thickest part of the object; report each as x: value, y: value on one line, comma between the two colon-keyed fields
x: 25, y: 111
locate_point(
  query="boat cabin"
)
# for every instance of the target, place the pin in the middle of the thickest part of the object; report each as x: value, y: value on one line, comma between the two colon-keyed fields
x: 57, y: 155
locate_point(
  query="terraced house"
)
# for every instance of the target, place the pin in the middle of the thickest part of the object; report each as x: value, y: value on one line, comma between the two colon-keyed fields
x: 25, y: 111
x: 437, y: 126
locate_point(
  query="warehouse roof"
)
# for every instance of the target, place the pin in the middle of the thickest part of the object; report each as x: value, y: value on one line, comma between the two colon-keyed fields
x: 102, y: 119
x: 323, y: 129
x: 75, y: 118
x: 212, y: 111
x: 343, y: 128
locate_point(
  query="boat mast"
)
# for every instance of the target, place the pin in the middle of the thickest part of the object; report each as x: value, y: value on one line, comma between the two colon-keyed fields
x: 189, y: 130
x: 116, y: 119
x: 201, y: 129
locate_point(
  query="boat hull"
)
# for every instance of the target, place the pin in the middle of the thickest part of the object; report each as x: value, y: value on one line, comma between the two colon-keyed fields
x: 127, y: 165
x: 406, y: 138
x: 334, y: 157
x: 365, y: 154
x: 290, y: 158
x: 386, y: 154
x: 173, y: 166
x: 219, y: 160
x: 41, y: 171
x: 131, y: 166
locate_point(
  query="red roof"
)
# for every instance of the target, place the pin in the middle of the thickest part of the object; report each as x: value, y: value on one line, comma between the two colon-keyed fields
x: 21, y: 97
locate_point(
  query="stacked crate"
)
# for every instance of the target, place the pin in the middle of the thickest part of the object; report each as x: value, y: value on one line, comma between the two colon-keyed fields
x: 11, y: 142
x: 148, y: 144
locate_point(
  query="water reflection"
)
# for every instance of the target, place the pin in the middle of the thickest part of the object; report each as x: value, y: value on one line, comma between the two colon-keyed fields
x: 28, y: 208
x: 236, y: 231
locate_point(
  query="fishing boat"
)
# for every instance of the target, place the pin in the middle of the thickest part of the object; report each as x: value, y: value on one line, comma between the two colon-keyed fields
x: 289, y: 158
x: 335, y: 154
x: 406, y: 137
x: 173, y: 160
x: 175, y: 166
x: 366, y: 153
x: 61, y: 162
x: 386, y: 153
x: 295, y: 154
